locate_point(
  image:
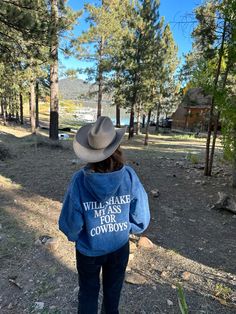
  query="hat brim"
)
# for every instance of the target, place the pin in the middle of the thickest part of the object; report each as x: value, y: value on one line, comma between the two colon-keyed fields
x: 83, y: 150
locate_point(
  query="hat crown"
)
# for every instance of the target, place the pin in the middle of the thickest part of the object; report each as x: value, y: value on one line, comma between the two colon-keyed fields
x: 102, y: 133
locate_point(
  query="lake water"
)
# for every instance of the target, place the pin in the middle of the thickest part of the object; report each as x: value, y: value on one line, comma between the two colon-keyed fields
x: 86, y: 115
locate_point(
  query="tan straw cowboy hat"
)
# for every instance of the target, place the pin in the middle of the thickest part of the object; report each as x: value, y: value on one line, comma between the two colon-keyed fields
x: 98, y: 141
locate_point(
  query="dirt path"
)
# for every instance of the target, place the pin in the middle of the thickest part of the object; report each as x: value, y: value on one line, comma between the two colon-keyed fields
x: 193, y: 245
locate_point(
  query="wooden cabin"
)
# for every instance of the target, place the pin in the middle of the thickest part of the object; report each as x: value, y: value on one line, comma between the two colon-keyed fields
x: 192, y: 118
x: 193, y: 112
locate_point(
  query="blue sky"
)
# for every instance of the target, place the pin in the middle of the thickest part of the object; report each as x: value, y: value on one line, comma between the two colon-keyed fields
x: 174, y: 11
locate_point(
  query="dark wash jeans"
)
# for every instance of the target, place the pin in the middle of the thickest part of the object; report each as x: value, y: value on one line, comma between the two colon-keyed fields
x: 113, y: 267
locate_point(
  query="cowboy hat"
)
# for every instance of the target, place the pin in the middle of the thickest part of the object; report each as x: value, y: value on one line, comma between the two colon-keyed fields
x: 98, y: 141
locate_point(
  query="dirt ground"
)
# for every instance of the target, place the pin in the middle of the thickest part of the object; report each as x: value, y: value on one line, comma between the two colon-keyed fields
x: 193, y: 245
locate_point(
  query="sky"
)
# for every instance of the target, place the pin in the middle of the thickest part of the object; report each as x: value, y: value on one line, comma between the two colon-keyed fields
x: 174, y: 11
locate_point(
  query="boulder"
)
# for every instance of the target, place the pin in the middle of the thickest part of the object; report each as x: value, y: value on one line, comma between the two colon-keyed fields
x: 132, y: 247
x: 38, y: 305
x: 155, y: 193
x: 135, y: 279
x: 225, y: 202
x: 144, y: 242
x: 48, y: 242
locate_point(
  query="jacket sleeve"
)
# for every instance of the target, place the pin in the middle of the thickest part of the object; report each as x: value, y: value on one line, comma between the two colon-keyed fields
x: 71, y: 219
x: 139, y: 208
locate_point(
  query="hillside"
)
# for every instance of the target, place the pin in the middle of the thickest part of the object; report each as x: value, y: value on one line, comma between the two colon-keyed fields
x: 77, y: 89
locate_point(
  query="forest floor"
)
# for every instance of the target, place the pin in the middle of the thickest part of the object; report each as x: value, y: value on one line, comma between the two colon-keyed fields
x: 193, y: 244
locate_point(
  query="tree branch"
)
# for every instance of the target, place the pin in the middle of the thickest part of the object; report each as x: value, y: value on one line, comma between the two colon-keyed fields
x: 18, y: 5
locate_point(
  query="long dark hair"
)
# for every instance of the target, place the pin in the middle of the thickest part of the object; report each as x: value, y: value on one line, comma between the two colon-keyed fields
x: 113, y: 163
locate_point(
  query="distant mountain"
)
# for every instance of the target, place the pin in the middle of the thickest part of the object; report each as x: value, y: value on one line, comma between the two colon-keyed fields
x: 76, y: 89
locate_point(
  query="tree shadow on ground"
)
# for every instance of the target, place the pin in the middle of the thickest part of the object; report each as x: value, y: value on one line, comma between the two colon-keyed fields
x: 180, y: 221
x: 31, y: 273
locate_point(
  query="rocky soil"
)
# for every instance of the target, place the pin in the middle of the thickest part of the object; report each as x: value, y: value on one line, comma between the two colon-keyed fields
x: 191, y: 245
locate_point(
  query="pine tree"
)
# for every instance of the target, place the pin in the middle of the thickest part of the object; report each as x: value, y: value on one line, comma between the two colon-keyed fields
x: 135, y: 59
x: 145, y: 62
x: 167, y: 86
x: 27, y: 35
x: 100, y: 42
x: 54, y: 117
x: 211, y: 66
x: 62, y: 20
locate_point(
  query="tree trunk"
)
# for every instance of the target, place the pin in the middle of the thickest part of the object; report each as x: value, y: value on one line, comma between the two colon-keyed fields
x: 158, y: 116
x: 21, y: 110
x: 134, y: 96
x: 138, y: 121
x: 143, y: 121
x: 100, y: 77
x: 32, y: 106
x: 29, y: 104
x: 217, y: 119
x: 53, y: 129
x: 12, y: 107
x: 131, y: 122
x: 9, y: 109
x: 117, y: 115
x: 17, y: 116
x: 16, y: 109
x: 234, y: 174
x: 2, y: 106
x: 207, y: 170
x: 216, y: 123
x: 6, y: 108
x: 4, y: 111
x: 147, y: 127
x: 234, y: 160
x: 37, y: 105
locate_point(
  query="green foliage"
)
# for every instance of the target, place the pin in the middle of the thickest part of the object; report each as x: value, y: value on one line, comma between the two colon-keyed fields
x: 211, y: 64
x: 222, y: 291
x: 106, y: 24
x: 134, y: 51
x: 205, y: 32
x: 227, y: 107
x: 25, y: 41
x: 181, y: 300
x: 147, y: 60
x: 70, y: 106
x: 193, y: 158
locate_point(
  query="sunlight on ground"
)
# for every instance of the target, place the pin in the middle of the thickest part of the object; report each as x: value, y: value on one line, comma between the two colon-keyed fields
x: 170, y: 140
x: 189, y: 273
x: 7, y: 184
x: 154, y: 139
x: 167, y: 148
x: 39, y: 215
x: 133, y: 147
x: 17, y: 131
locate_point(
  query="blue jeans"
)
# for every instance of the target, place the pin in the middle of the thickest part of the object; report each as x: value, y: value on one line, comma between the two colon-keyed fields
x: 113, y: 272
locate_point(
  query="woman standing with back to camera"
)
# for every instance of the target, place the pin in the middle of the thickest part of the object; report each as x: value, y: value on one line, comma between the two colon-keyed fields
x: 104, y: 203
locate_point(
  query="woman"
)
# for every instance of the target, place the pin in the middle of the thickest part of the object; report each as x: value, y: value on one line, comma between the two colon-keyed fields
x: 105, y: 202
